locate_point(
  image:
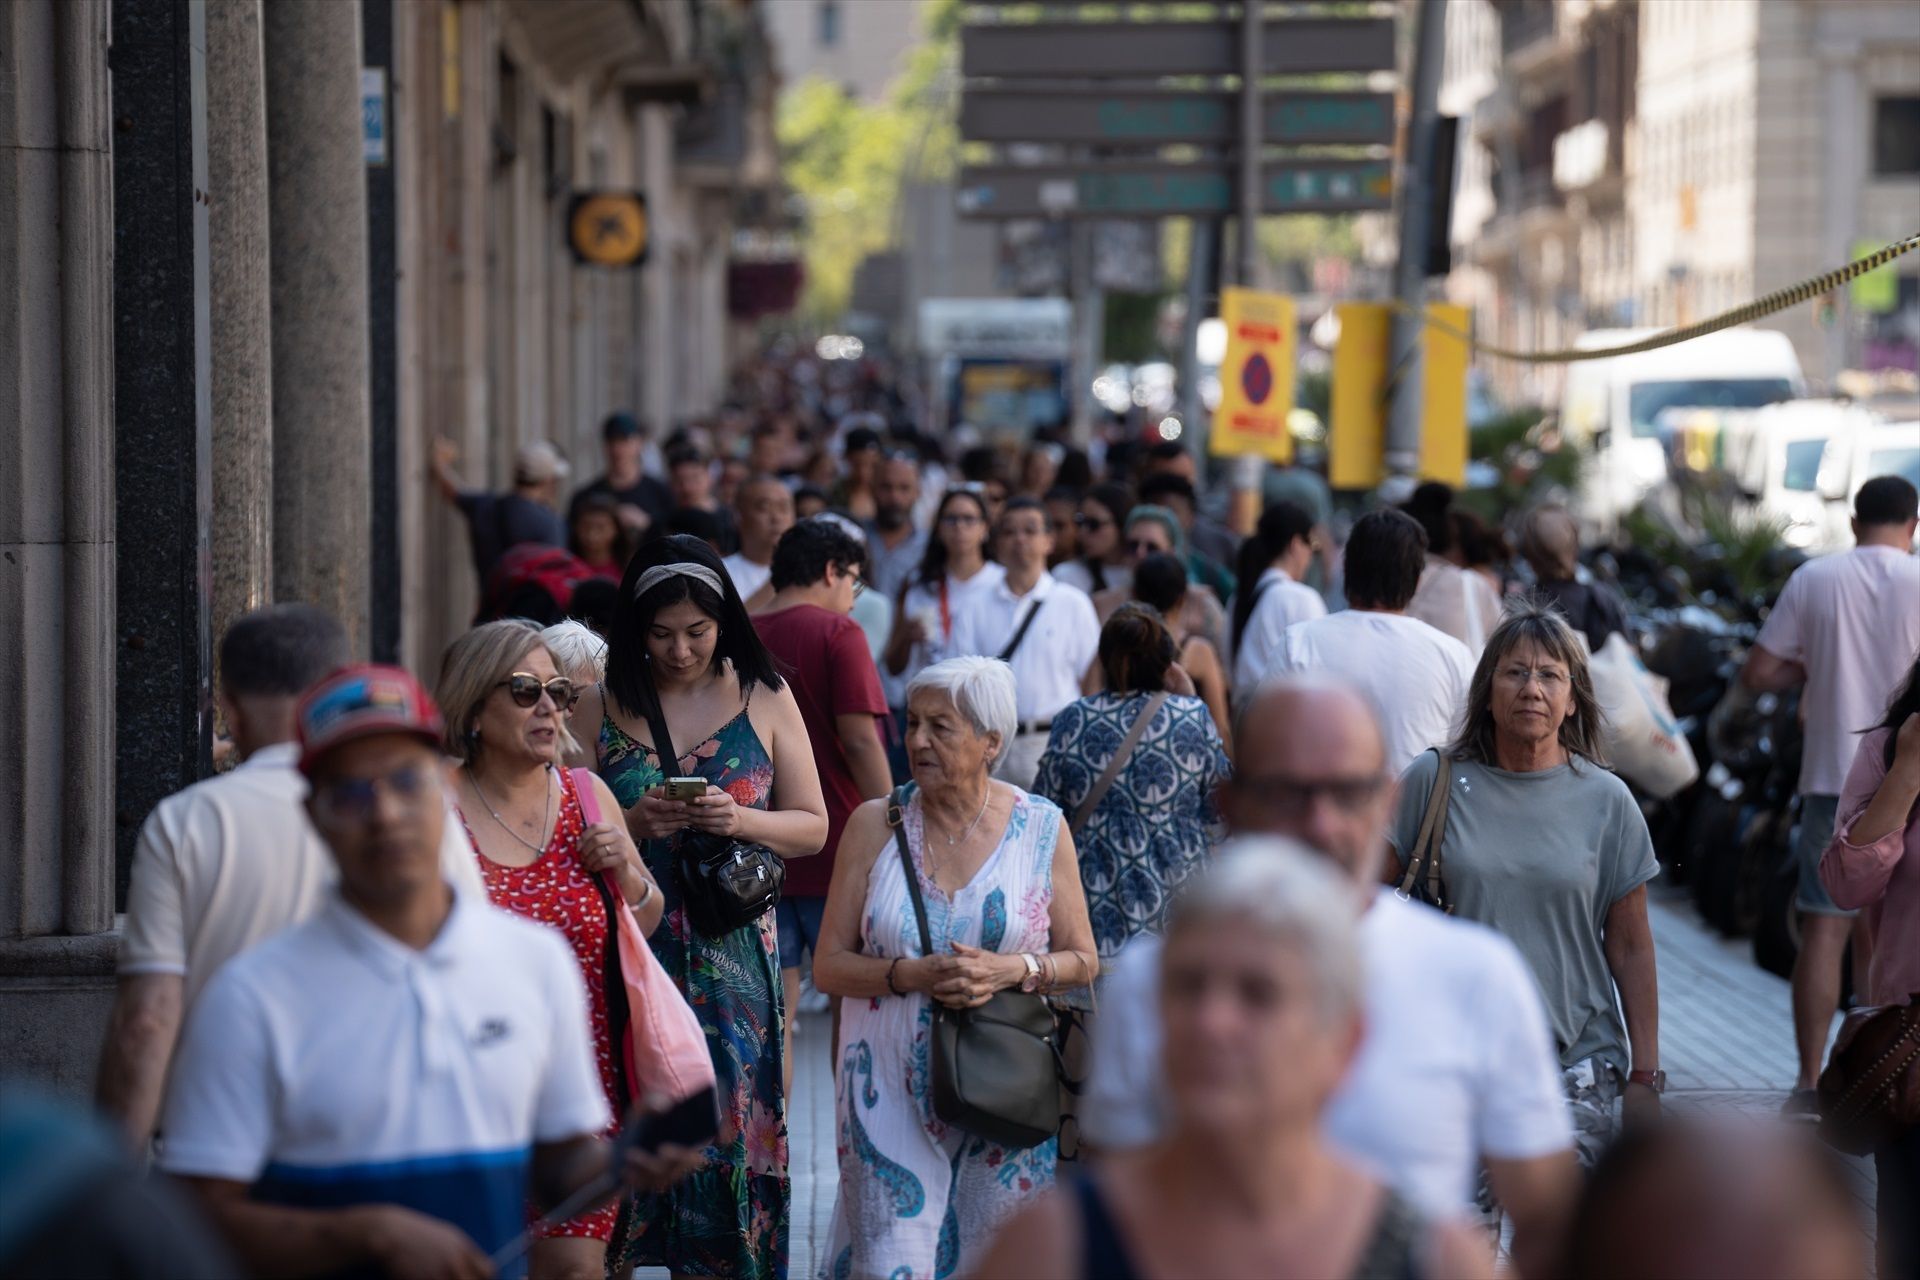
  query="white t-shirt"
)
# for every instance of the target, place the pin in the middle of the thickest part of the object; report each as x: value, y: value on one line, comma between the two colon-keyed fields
x: 1459, y: 602
x: 1053, y: 655
x: 924, y: 603
x: 334, y: 1065
x: 1280, y: 603
x: 1415, y: 676
x: 747, y: 576
x: 1852, y: 619
x: 234, y: 859
x: 1457, y: 1063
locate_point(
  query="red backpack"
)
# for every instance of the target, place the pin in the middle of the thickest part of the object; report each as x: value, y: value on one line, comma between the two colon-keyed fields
x: 534, y: 581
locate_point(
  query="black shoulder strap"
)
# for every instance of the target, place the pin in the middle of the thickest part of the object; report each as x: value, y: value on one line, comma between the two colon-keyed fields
x: 662, y: 740
x: 1020, y: 632
x: 897, y: 819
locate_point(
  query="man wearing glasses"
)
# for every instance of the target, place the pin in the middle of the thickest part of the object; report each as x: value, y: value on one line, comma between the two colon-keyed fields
x: 382, y: 1087
x: 228, y: 861
x: 1457, y: 1071
x: 826, y: 660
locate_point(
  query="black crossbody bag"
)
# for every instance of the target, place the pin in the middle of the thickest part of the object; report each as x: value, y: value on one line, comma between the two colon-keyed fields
x: 996, y: 1070
x: 725, y: 883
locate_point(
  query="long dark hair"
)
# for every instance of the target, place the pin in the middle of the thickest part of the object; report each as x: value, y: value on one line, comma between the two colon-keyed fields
x: 1118, y: 501
x: 933, y: 564
x: 1280, y: 524
x: 629, y: 675
x: 1905, y: 702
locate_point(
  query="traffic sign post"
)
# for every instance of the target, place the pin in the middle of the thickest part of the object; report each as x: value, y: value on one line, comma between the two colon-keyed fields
x: 1357, y: 434
x: 1256, y: 379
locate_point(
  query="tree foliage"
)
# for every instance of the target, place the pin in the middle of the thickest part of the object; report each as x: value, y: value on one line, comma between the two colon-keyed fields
x: 850, y: 161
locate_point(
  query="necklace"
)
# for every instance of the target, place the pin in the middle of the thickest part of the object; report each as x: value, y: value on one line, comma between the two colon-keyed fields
x: 547, y: 813
x: 954, y: 840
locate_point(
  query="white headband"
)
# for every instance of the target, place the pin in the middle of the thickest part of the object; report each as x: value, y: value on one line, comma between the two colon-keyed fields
x: 684, y: 569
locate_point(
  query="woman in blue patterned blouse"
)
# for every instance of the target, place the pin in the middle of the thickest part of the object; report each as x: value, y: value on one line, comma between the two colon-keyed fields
x: 1155, y: 823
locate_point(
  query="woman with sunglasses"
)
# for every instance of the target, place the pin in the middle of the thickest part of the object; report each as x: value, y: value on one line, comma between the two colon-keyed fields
x: 1155, y: 531
x: 1104, y: 562
x: 684, y: 652
x: 506, y: 706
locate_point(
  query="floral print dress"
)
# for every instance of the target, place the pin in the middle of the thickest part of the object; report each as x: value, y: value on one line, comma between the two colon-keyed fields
x: 920, y: 1199
x: 730, y: 1217
x: 556, y: 890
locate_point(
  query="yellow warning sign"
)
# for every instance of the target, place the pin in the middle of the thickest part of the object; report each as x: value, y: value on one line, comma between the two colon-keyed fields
x: 608, y: 228
x: 1357, y: 435
x: 1256, y: 380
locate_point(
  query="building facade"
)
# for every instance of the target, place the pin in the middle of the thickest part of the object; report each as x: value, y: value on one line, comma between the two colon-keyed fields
x: 1653, y: 162
x: 258, y: 256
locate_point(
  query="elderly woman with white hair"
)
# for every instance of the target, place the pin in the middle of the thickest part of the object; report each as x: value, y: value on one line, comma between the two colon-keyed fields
x: 1000, y: 882
x: 1260, y: 995
x: 579, y: 651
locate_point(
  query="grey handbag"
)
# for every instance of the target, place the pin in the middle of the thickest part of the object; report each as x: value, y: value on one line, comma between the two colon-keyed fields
x: 996, y: 1069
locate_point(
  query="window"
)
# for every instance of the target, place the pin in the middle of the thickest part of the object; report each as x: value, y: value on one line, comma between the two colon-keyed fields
x: 1647, y: 400
x: 829, y: 15
x: 1802, y: 472
x: 1896, y: 137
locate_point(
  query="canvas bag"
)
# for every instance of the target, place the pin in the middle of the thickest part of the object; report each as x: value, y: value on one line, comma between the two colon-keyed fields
x: 1644, y: 742
x: 665, y: 1050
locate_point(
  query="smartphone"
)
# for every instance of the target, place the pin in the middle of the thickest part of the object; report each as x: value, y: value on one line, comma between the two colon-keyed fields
x: 691, y: 1122
x: 684, y: 789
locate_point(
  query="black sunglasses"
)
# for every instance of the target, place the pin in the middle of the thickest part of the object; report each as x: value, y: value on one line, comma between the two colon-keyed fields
x: 525, y: 690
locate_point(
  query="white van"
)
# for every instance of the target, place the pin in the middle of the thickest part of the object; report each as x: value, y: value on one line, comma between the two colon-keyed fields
x: 1613, y: 406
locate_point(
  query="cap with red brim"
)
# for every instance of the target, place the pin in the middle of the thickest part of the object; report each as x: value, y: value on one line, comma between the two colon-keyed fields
x: 361, y: 702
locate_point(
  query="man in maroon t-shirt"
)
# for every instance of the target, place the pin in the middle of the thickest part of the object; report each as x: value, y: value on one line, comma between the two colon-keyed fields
x: 823, y: 655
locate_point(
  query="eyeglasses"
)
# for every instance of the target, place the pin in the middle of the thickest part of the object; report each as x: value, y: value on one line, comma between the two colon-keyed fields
x: 1551, y: 680
x: 1284, y: 797
x: 352, y: 802
x: 859, y: 585
x: 525, y: 690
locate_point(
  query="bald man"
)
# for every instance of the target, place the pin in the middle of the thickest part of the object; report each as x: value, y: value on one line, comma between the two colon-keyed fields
x: 1458, y: 1068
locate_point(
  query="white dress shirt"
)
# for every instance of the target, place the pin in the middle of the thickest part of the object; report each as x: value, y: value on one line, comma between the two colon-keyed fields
x: 748, y: 576
x: 1056, y: 652
x: 1280, y: 603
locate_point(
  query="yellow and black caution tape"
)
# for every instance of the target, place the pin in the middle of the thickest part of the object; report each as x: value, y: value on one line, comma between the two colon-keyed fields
x: 1779, y: 300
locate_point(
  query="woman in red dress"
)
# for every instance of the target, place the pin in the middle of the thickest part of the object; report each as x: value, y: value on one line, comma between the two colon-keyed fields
x: 506, y: 706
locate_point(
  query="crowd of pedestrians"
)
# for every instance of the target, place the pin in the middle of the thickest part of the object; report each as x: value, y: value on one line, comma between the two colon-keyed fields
x: 1316, y: 843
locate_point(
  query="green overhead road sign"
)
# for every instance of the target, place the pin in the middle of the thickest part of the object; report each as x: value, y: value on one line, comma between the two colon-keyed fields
x: 1168, y: 190
x: 1151, y: 117
x: 1077, y: 50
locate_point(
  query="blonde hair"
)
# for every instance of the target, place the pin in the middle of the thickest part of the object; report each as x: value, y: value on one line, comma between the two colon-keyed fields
x: 473, y: 666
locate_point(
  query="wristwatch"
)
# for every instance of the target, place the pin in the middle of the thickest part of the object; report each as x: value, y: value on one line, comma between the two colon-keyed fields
x: 1654, y: 1080
x: 1032, y: 979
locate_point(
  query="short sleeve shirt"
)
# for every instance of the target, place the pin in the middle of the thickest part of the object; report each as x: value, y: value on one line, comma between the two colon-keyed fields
x: 1852, y: 619
x: 1053, y: 655
x: 498, y: 522
x: 824, y: 658
x: 1542, y: 857
x: 334, y: 1066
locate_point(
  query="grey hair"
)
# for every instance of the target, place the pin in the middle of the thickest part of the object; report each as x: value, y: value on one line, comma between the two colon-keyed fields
x: 1533, y: 619
x: 981, y: 689
x: 1292, y: 895
x: 578, y: 651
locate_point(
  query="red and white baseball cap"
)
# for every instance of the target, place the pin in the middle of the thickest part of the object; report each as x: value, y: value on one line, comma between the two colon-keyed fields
x: 359, y: 702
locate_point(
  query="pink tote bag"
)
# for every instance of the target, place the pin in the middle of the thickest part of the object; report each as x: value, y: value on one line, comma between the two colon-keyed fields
x: 666, y: 1051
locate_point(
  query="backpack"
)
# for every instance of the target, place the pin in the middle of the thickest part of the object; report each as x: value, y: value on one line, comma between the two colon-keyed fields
x: 533, y: 581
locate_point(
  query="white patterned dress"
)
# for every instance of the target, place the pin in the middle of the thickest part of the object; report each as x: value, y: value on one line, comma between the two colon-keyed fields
x: 919, y: 1199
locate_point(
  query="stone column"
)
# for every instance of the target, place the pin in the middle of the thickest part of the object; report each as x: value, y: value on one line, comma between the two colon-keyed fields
x: 56, y: 538
x: 318, y: 203
x: 242, y: 316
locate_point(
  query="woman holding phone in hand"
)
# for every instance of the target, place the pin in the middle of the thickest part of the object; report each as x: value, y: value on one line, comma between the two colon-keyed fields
x: 683, y: 647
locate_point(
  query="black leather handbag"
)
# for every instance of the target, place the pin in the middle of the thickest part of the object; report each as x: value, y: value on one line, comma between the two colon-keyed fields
x: 996, y: 1070
x: 724, y: 883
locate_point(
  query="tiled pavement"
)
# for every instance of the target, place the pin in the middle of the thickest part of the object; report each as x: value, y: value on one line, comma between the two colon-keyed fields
x: 1726, y: 1041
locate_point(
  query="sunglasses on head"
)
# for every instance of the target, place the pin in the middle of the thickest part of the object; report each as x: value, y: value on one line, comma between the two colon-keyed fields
x: 525, y: 690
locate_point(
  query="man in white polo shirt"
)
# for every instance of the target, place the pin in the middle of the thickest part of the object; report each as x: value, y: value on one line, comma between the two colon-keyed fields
x: 229, y: 860
x: 1046, y: 630
x: 379, y: 1089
